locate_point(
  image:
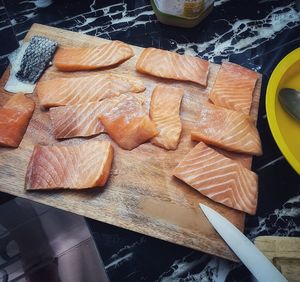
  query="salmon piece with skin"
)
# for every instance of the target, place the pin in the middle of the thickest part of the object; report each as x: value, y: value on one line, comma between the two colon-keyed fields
x: 91, y: 58
x: 127, y: 123
x: 80, y: 166
x: 78, y: 90
x: 234, y: 87
x: 227, y: 129
x: 165, y: 113
x: 168, y: 64
x: 219, y: 178
x: 14, y: 119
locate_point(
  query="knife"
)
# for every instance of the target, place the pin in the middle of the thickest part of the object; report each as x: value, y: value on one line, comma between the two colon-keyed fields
x: 246, y: 251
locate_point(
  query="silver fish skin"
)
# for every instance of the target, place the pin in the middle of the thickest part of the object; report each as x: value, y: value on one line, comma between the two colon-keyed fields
x: 36, y: 58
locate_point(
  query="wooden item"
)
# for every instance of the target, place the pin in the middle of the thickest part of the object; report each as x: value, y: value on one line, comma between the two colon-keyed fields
x: 141, y: 193
x: 284, y: 252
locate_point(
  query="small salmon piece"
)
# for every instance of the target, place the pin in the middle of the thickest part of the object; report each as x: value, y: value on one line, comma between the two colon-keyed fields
x: 78, y: 90
x: 108, y: 54
x: 80, y: 166
x: 219, y: 178
x: 233, y: 88
x: 168, y: 64
x: 126, y: 122
x: 165, y: 113
x: 14, y: 119
x: 227, y: 129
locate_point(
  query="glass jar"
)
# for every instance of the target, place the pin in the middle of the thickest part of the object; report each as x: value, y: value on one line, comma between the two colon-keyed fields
x: 182, y: 13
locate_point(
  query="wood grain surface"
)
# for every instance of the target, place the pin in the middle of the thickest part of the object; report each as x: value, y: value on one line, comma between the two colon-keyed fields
x: 141, y: 194
x: 283, y: 252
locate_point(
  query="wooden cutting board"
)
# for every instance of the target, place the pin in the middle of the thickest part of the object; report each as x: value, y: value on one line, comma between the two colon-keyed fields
x: 283, y: 252
x: 141, y: 194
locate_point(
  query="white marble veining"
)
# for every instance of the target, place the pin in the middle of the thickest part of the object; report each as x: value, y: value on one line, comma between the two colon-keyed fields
x: 120, y: 20
x: 124, y: 255
x: 211, y: 269
x: 38, y: 3
x: 220, y: 2
x: 270, y: 163
x: 288, y: 213
x: 232, y: 40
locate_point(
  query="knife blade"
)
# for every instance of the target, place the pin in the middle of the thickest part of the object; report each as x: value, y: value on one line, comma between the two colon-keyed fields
x: 261, y: 268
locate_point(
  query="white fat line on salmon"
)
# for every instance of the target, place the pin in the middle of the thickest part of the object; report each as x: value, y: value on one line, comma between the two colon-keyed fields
x: 270, y: 163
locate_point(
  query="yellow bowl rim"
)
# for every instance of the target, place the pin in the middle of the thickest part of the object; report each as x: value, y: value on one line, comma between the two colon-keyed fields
x: 275, y: 79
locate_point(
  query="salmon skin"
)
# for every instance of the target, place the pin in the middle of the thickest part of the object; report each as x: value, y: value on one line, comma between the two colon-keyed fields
x: 80, y: 166
x: 14, y: 119
x: 79, y: 120
x: 233, y: 88
x: 219, y: 178
x: 28, y: 62
x: 72, y: 91
x: 126, y: 122
x: 36, y: 58
x: 91, y: 58
x: 168, y: 64
x: 227, y: 129
x: 165, y: 113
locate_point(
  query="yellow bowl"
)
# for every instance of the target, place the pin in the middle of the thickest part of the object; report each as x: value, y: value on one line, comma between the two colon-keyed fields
x: 285, y: 129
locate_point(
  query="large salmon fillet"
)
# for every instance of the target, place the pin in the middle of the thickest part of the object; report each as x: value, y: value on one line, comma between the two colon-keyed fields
x: 14, y: 119
x: 90, y: 58
x: 127, y: 123
x: 93, y: 88
x: 227, y: 129
x: 221, y: 179
x: 233, y: 87
x: 165, y: 113
x: 168, y: 64
x: 80, y: 166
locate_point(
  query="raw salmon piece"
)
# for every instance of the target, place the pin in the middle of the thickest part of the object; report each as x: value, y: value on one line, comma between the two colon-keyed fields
x: 71, y: 91
x: 14, y: 119
x: 108, y: 54
x: 127, y: 123
x: 227, y: 129
x: 165, y: 113
x: 168, y: 64
x: 221, y: 179
x: 80, y: 166
x: 79, y: 120
x: 76, y: 121
x: 233, y: 88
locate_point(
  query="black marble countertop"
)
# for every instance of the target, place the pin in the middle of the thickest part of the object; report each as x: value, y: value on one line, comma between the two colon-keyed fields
x: 255, y: 34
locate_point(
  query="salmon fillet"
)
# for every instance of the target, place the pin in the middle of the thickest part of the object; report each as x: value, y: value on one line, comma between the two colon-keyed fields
x: 80, y: 166
x: 168, y: 64
x: 79, y: 120
x: 165, y: 113
x: 233, y: 88
x: 227, y: 129
x: 14, y: 119
x: 219, y: 178
x: 108, y: 54
x: 126, y: 122
x: 72, y: 91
